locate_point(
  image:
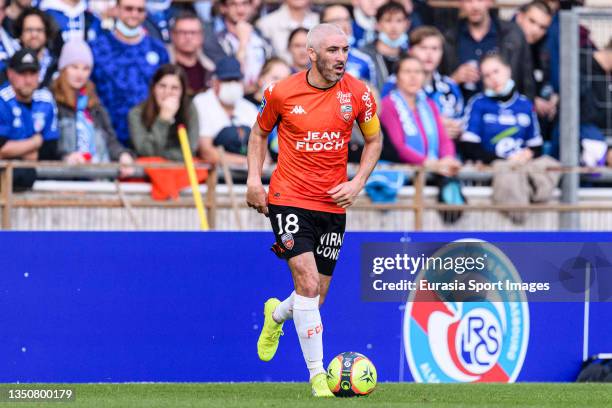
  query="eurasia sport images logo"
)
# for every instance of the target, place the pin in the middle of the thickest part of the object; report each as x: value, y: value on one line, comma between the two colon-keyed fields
x: 453, y: 341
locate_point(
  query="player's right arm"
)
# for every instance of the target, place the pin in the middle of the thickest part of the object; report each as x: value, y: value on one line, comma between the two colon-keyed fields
x: 256, y: 155
x: 258, y: 144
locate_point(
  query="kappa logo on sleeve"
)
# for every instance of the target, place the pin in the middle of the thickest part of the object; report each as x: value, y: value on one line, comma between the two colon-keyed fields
x: 367, y: 100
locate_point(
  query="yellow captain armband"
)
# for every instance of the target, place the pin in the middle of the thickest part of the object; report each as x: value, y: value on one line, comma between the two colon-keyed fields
x: 371, y: 127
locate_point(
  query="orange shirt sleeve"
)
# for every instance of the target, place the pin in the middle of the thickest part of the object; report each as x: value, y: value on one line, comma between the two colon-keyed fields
x: 268, y: 110
x: 367, y: 118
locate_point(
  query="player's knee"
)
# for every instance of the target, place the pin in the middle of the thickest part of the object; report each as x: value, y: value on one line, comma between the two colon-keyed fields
x: 308, y: 286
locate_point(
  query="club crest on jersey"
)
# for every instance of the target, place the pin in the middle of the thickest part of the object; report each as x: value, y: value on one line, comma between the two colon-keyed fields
x: 344, y: 97
x: 346, y: 111
x: 287, y: 240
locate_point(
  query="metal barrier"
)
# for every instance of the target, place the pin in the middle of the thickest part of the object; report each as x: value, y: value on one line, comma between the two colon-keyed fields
x: 418, y: 205
x: 50, y: 169
x: 570, y: 119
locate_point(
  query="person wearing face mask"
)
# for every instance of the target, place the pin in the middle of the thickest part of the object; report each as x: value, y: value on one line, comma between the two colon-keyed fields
x: 86, y: 134
x: 502, y: 130
x: 500, y: 122
x: 364, y: 22
x: 225, y: 116
x: 480, y: 32
x: 125, y: 61
x: 392, y: 24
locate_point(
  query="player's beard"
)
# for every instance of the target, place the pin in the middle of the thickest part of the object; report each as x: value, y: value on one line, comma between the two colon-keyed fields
x: 329, y: 73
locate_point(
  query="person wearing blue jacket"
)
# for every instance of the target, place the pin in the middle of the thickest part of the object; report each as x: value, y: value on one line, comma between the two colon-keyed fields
x: 124, y: 63
x: 502, y: 130
x: 73, y: 20
x: 500, y: 122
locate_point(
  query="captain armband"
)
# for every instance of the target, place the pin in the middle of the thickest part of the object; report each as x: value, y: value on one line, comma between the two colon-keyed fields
x: 371, y: 127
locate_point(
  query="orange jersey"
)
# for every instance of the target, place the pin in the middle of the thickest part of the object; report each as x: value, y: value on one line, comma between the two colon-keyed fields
x: 314, y: 129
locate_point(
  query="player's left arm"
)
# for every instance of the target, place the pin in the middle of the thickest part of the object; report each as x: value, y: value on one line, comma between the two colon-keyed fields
x: 345, y: 193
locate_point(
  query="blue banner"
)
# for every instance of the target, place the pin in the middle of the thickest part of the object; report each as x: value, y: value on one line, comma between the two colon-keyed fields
x: 97, y: 307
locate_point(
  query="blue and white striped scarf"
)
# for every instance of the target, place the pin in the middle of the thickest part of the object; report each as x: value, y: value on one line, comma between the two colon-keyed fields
x: 412, y: 135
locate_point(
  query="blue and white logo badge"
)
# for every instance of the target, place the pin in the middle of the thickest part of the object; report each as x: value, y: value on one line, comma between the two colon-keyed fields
x: 39, y: 121
x: 152, y: 58
x: 454, y: 341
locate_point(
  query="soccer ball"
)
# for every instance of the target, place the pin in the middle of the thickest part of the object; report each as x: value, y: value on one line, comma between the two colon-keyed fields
x: 351, y: 374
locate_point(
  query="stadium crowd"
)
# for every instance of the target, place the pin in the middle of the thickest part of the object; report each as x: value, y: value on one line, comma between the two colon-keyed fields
x: 101, y: 81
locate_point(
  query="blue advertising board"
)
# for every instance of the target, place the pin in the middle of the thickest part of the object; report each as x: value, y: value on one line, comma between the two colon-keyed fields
x: 118, y: 307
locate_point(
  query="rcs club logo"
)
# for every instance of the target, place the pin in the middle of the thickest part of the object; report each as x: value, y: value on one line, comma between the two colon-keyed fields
x: 454, y: 341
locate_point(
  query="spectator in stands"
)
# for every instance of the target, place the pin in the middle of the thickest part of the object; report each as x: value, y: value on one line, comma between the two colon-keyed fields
x: 85, y: 130
x: 413, y: 8
x: 392, y: 23
x: 124, y: 63
x: 358, y: 64
x: 204, y: 10
x: 364, y: 23
x: 35, y: 30
x: 534, y: 19
x: 8, y: 45
x: 159, y: 15
x: 502, y: 130
x: 13, y: 11
x: 595, y: 105
x: 273, y: 71
x: 500, y: 123
x: 413, y: 123
x: 427, y: 44
x: 277, y: 25
x: 28, y: 123
x: 480, y: 33
x: 187, y: 36
x: 224, y: 115
x: 153, y: 123
x: 238, y: 38
x: 72, y: 19
x: 105, y: 10
x: 297, y: 50
x: 553, y: 37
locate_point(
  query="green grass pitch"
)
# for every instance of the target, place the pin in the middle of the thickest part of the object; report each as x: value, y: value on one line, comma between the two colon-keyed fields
x: 297, y: 395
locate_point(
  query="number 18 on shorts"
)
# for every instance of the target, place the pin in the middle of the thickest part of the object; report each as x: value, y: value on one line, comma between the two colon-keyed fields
x: 298, y: 231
